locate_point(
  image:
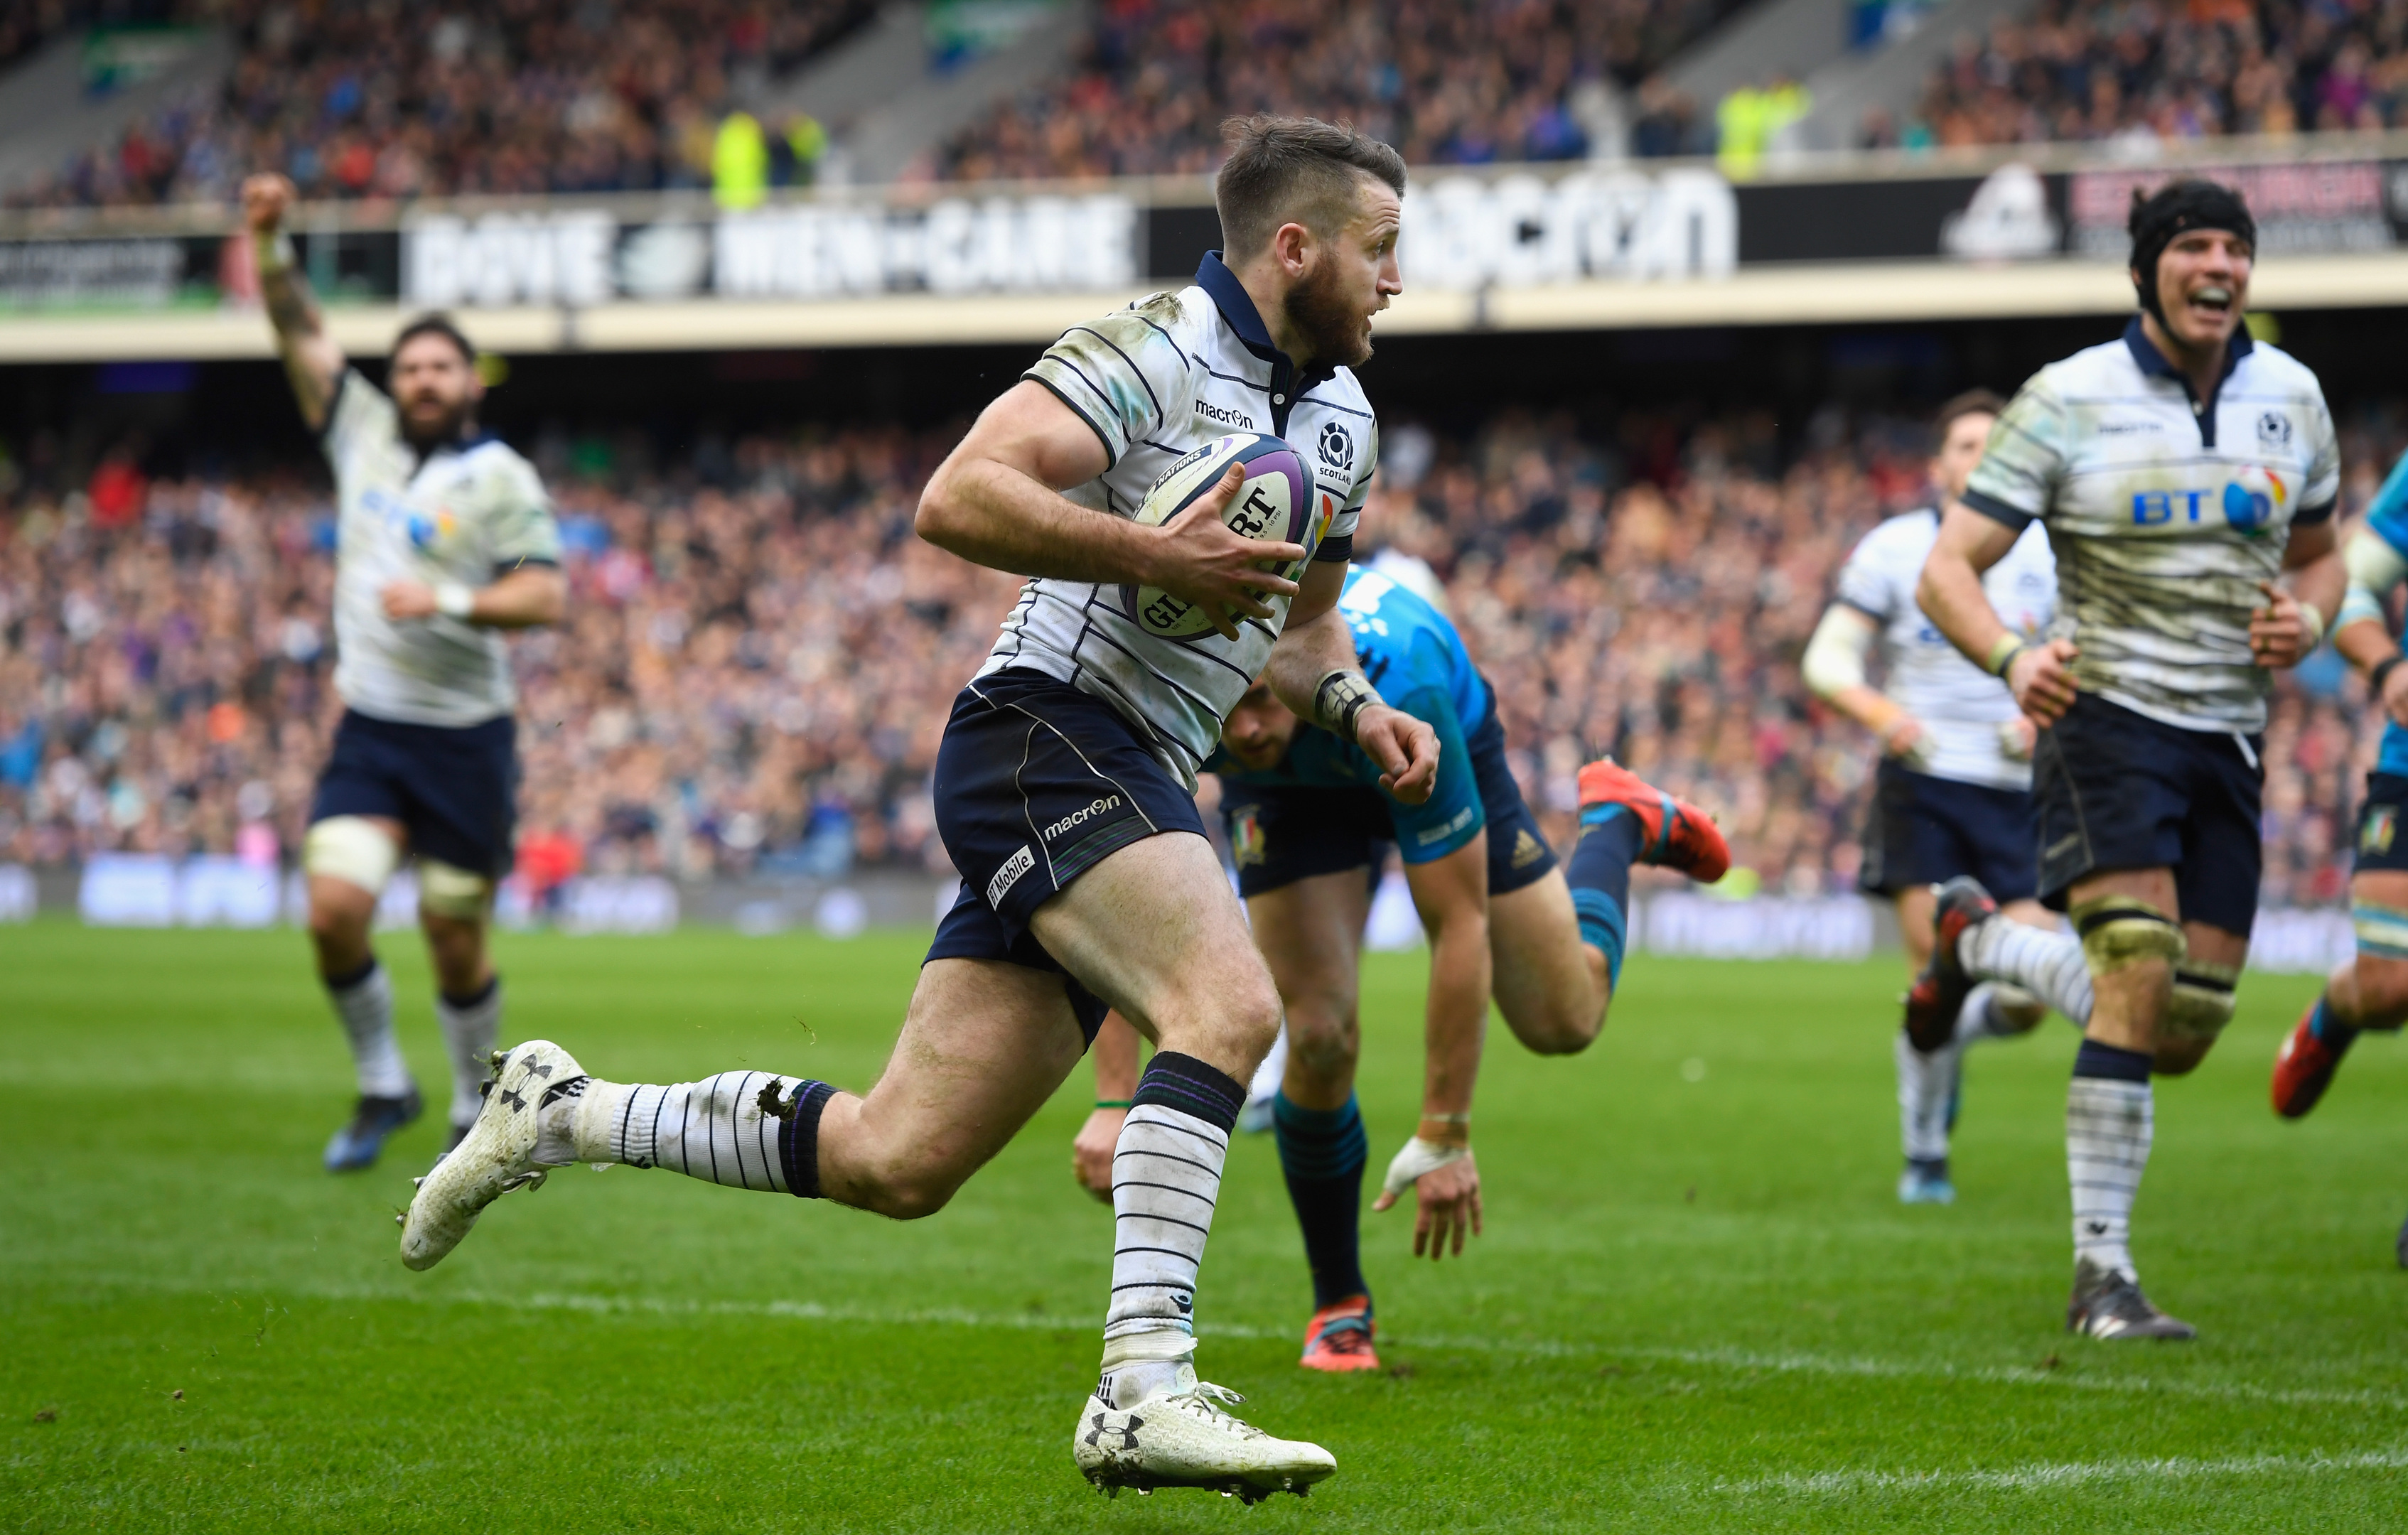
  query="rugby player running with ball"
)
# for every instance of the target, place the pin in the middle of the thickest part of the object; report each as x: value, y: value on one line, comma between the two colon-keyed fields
x: 2182, y: 471
x: 1310, y: 827
x: 1065, y: 794
x: 445, y: 539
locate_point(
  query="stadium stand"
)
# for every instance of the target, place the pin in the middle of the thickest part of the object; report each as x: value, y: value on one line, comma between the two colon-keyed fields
x: 761, y: 654
x: 2087, y: 69
x: 538, y: 96
x: 1447, y: 84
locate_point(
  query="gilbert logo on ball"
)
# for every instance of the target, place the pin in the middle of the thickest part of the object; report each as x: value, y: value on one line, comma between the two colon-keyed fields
x: 1274, y: 504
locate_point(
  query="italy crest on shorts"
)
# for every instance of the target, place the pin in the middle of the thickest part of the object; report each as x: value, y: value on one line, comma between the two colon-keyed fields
x: 2374, y: 838
x: 1246, y: 837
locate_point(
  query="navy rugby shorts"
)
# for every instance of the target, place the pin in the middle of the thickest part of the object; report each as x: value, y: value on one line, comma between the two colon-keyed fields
x: 2381, y: 848
x: 1281, y: 833
x: 454, y: 790
x: 2116, y: 789
x: 1924, y: 829
x: 1037, y: 782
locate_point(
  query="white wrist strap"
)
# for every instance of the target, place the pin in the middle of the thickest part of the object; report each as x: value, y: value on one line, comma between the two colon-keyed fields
x: 1419, y: 1157
x: 453, y: 599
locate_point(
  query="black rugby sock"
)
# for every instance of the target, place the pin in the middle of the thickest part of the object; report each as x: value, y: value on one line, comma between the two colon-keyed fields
x: 1321, y: 1151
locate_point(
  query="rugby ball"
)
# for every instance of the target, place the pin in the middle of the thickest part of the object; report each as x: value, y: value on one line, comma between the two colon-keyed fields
x: 1275, y: 503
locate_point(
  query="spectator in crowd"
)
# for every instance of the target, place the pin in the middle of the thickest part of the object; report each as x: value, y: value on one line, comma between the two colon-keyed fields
x: 354, y: 100
x: 1749, y: 123
x: 762, y: 655
x: 2090, y: 69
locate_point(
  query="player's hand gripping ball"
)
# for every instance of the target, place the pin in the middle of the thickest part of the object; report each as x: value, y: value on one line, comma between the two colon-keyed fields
x: 1276, y: 504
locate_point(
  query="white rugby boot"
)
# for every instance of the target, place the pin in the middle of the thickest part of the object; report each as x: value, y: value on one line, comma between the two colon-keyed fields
x: 1180, y: 1437
x: 501, y: 1151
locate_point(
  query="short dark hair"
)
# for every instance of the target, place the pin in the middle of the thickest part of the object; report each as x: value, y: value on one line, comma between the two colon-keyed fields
x: 1295, y: 170
x: 436, y: 325
x: 1973, y: 402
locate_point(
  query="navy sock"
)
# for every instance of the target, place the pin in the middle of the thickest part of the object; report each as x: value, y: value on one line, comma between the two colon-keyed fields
x: 2332, y: 1030
x: 799, y: 1134
x: 1322, y: 1150
x: 2113, y: 1062
x: 1599, y: 875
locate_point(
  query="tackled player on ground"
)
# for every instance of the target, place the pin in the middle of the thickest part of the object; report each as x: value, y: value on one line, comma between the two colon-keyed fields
x: 1309, y: 827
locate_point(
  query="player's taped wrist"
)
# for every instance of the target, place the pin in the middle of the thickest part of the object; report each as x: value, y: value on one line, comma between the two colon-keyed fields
x: 2003, y: 651
x: 1417, y: 1160
x: 272, y: 249
x: 453, y: 599
x: 2312, y: 618
x: 1340, y: 699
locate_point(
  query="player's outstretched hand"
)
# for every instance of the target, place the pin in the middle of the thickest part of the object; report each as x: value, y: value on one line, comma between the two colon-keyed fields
x: 265, y: 198
x: 1091, y: 1151
x: 1199, y: 560
x: 1446, y: 1181
x: 1405, y: 748
x: 2278, y: 632
x: 2043, y: 681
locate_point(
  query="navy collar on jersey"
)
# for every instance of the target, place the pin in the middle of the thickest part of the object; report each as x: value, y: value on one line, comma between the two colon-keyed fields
x: 1237, y: 306
x: 2153, y: 362
x: 467, y: 443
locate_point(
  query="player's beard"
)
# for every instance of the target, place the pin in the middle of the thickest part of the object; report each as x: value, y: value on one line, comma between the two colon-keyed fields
x: 1330, y: 321
x: 448, y: 427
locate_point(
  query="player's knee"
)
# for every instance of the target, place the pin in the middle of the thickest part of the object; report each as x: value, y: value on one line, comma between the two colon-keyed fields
x: 351, y: 849
x: 1562, y: 1026
x: 2118, y: 932
x: 446, y: 890
x: 2199, y: 1005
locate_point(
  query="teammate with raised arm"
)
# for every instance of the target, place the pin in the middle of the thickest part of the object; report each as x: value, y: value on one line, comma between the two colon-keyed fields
x: 2369, y: 991
x: 1953, y: 793
x: 2181, y: 471
x: 445, y: 538
x: 1064, y: 792
x: 1309, y: 828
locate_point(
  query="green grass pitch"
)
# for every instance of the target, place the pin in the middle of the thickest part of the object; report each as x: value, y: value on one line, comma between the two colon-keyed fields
x: 1696, y: 1307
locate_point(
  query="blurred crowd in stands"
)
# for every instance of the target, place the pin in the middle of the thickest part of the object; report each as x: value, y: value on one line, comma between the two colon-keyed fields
x: 1445, y: 82
x: 760, y: 655
x: 2092, y: 69
x: 361, y: 100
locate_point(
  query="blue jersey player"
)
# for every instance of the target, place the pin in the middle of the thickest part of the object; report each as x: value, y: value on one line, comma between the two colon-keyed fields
x: 1310, y: 827
x: 2370, y: 991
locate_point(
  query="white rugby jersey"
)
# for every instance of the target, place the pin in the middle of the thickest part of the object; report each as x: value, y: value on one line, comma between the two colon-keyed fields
x: 2164, y: 515
x: 1166, y: 374
x: 1959, y: 705
x: 467, y: 512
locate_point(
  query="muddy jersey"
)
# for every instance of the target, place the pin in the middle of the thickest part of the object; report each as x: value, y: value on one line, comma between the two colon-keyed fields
x: 470, y: 512
x: 1168, y: 374
x: 1959, y: 705
x: 2164, y: 514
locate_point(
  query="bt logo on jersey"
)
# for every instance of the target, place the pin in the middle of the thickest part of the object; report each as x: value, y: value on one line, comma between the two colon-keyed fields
x: 2248, y: 503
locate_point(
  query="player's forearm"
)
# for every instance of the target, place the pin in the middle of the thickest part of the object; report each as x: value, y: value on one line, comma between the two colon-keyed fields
x: 994, y: 515
x: 525, y: 598
x: 1116, y: 1055
x: 2321, y: 582
x: 1950, y: 594
x: 1876, y: 711
x: 1455, y: 1026
x: 1307, y: 653
x: 312, y: 360
x: 2365, y: 644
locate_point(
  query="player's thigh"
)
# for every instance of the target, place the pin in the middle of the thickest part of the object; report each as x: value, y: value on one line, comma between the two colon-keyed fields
x: 1914, y: 906
x: 1550, y: 985
x: 984, y: 1044
x: 1155, y: 930
x: 1310, y: 935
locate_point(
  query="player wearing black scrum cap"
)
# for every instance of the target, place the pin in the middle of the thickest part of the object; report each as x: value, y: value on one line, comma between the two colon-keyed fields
x: 2186, y: 476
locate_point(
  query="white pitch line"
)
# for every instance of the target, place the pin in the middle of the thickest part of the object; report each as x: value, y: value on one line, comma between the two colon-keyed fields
x: 1737, y: 1359
x: 2051, y: 1475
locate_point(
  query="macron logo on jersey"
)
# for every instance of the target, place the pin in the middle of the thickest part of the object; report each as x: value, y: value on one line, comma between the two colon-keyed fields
x: 1226, y: 415
x: 1079, y: 817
